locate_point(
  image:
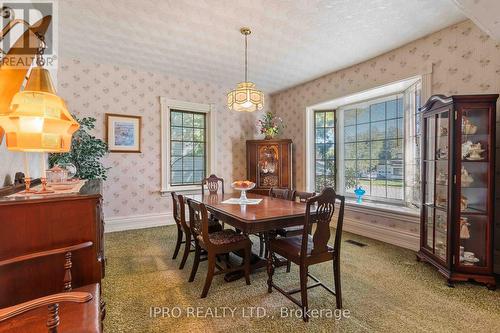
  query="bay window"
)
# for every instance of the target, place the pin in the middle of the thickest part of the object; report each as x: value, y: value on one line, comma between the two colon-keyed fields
x: 371, y: 140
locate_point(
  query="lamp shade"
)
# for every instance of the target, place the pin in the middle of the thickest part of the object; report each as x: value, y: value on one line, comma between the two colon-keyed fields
x: 38, y: 120
x: 245, y: 98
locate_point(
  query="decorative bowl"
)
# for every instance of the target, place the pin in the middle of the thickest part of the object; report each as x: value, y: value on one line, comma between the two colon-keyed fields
x: 243, y: 186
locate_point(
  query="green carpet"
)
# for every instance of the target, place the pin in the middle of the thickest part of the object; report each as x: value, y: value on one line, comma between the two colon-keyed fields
x: 384, y: 288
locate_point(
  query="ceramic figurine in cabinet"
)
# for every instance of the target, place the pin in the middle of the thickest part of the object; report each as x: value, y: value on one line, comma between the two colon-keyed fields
x: 467, y: 127
x: 464, y: 228
x: 464, y: 203
x: 475, y: 151
x: 467, y: 179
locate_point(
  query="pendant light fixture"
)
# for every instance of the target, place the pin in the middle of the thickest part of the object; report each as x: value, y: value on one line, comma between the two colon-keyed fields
x: 245, y: 97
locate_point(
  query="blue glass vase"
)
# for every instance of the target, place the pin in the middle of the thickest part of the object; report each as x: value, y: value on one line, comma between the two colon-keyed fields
x: 359, y: 192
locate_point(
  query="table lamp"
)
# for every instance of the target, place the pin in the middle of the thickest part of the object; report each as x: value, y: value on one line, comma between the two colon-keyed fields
x: 37, y: 120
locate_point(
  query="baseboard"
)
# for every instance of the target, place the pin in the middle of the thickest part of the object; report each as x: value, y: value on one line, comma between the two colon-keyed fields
x: 401, y: 238
x: 137, y: 222
x: 382, y: 233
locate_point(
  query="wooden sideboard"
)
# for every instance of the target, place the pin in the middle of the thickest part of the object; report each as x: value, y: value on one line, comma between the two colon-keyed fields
x: 269, y: 164
x: 31, y: 224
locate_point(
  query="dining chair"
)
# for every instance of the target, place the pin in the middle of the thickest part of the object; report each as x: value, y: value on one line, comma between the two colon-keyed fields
x: 183, y: 228
x: 295, y: 230
x: 216, y: 243
x: 213, y: 184
x: 281, y: 193
x: 307, y: 250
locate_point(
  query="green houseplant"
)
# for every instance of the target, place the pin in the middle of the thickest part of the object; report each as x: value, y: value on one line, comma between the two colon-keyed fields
x: 86, y: 152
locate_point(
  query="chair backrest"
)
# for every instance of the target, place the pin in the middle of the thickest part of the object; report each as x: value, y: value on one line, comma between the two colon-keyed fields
x: 321, y: 216
x: 303, y: 196
x: 213, y: 184
x: 282, y: 193
x: 179, y: 209
x: 198, y: 220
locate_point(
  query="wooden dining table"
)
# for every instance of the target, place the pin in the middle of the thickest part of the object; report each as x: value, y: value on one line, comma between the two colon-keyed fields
x: 265, y: 217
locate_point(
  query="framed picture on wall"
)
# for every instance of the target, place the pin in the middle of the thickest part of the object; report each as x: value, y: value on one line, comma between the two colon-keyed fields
x: 123, y: 133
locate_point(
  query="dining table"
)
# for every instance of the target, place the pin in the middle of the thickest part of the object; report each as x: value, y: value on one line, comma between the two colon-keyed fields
x: 265, y: 217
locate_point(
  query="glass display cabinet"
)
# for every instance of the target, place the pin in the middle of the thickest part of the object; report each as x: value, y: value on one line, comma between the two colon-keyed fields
x: 457, y: 218
x: 269, y: 164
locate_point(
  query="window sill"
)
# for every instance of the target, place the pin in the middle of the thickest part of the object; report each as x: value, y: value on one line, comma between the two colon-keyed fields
x: 181, y: 189
x: 377, y: 207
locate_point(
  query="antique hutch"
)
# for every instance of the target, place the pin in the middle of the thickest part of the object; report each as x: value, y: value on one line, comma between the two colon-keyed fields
x: 269, y: 164
x: 457, y: 218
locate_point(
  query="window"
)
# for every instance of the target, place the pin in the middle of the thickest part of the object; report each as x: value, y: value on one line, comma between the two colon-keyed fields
x: 373, y: 148
x: 370, y: 139
x: 187, y: 147
x: 187, y: 144
x: 324, y: 134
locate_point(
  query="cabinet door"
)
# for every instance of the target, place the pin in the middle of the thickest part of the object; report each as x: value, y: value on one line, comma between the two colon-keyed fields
x: 268, y: 163
x: 436, y: 181
x: 474, y: 172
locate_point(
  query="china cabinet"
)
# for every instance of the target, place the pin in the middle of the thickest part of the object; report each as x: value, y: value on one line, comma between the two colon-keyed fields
x: 269, y: 164
x: 456, y: 234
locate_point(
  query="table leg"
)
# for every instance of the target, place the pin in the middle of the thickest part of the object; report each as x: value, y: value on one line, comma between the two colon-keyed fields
x: 256, y: 262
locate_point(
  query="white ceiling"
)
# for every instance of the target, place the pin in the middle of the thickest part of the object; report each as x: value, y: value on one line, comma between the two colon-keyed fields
x: 292, y: 41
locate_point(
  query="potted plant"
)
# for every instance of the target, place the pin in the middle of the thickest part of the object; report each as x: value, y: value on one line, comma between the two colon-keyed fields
x: 86, y: 152
x: 270, y: 125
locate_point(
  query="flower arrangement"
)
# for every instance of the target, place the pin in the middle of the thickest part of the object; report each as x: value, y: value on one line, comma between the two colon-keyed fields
x: 270, y: 125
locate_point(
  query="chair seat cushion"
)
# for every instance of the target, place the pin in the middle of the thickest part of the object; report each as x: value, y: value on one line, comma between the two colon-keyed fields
x: 289, y: 248
x: 73, y: 317
x: 213, y: 225
x: 225, y: 237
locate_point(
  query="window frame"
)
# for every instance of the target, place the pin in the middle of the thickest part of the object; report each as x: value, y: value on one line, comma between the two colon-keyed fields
x: 341, y: 146
x: 335, y: 144
x: 171, y: 105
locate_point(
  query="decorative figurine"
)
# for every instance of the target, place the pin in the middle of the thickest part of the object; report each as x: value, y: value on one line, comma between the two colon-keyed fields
x: 467, y: 127
x: 442, y: 178
x: 464, y: 228
x: 466, y: 148
x: 464, y: 203
x: 475, y: 151
x: 442, y: 153
x: 359, y: 193
x: 466, y: 177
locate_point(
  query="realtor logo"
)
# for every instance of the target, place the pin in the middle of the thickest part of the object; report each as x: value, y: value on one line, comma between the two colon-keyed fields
x: 24, y: 27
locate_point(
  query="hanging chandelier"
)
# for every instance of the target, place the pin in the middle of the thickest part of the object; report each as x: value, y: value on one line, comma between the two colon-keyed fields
x: 245, y: 97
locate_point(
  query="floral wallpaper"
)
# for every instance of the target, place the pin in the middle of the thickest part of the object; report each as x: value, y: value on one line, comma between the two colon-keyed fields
x: 133, y: 185
x: 464, y: 59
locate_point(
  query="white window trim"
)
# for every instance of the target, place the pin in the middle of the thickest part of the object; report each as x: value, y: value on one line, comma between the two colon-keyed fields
x: 341, y: 151
x: 389, y: 89
x: 166, y: 105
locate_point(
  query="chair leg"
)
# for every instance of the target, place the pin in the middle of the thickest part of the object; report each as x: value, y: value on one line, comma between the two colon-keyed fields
x: 270, y: 270
x: 178, y: 244
x: 210, y: 275
x: 261, y: 245
x: 288, y: 266
x: 338, y: 289
x: 187, y: 249
x: 247, y: 264
x: 303, y: 292
x: 196, y: 262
